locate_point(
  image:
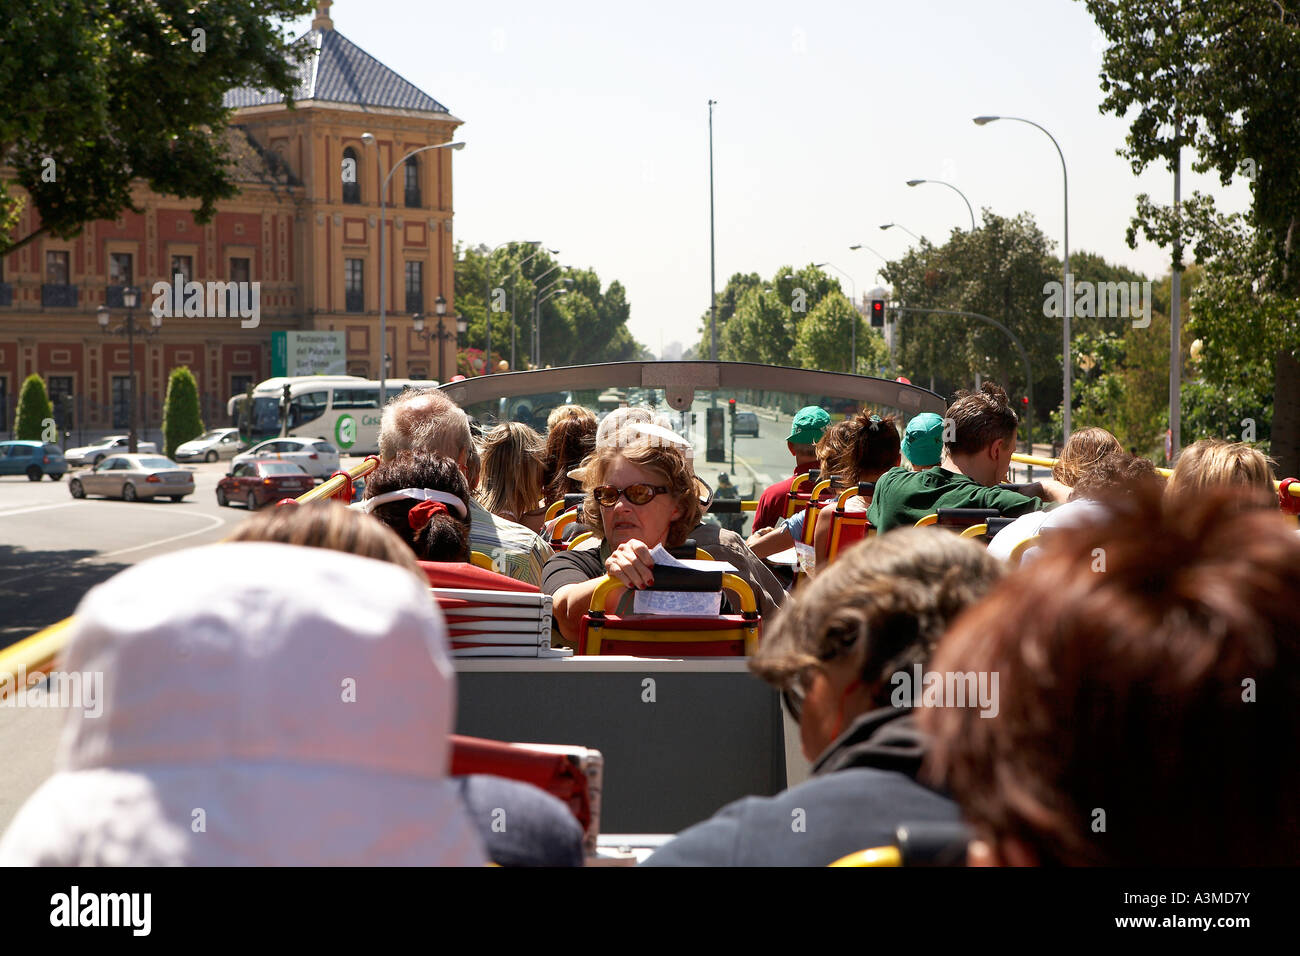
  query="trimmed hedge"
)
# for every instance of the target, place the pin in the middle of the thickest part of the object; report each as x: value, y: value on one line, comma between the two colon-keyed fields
x: 181, y: 419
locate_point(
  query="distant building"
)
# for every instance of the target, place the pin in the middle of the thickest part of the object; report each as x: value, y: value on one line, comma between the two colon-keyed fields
x: 305, y: 228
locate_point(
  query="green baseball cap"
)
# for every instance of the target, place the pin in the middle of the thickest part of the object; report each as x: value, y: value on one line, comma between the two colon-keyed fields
x: 923, y: 440
x: 808, y: 425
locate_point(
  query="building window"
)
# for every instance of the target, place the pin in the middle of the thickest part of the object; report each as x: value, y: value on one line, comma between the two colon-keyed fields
x: 5, y: 420
x: 120, y: 271
x: 57, y: 292
x: 354, y: 291
x: 61, y: 399
x: 413, y: 182
x: 121, y: 401
x: 351, y: 176
x: 240, y: 270
x: 182, y: 266
x: 56, y: 268
x: 415, y: 287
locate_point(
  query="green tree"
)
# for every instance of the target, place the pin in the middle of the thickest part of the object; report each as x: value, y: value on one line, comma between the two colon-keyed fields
x: 181, y: 419
x: 728, y: 300
x: 103, y: 93
x: 34, y: 410
x: 824, y: 339
x: 1220, y: 78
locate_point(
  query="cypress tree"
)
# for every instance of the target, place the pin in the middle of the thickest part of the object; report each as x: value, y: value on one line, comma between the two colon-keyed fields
x: 34, y: 410
x: 181, y: 419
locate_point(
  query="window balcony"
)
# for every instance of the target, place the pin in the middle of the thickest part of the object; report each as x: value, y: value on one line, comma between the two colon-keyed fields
x: 414, y: 302
x: 413, y: 198
x: 59, y: 296
x: 354, y: 300
x: 113, y: 296
x: 6, y: 294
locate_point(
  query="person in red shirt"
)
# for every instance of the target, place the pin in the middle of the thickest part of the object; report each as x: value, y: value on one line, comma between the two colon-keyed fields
x: 805, y: 432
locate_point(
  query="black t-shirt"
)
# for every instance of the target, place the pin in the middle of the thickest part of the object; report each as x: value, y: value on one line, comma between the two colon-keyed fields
x: 571, y: 567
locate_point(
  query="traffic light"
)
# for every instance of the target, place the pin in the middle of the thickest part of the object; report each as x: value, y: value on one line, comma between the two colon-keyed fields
x: 731, y: 408
x: 877, y: 313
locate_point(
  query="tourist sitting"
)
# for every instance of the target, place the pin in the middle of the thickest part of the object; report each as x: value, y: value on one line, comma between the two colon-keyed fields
x: 641, y: 493
x: 513, y: 474
x: 270, y: 706
x: 846, y: 653
x: 425, y: 500
x: 1150, y: 695
x: 1214, y: 463
x: 857, y: 450
x: 977, y: 458
x: 922, y: 445
x: 570, y: 438
x: 806, y: 430
x: 1087, y: 453
x: 428, y: 421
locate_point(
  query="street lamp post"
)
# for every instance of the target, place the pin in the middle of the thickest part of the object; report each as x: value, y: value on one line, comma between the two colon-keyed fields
x: 917, y: 182
x: 442, y: 332
x: 538, y: 301
x: 853, y: 338
x: 487, y: 295
x: 369, y: 140
x: 130, y: 298
x: 892, y: 225
x: 513, y: 289
x: 1068, y: 289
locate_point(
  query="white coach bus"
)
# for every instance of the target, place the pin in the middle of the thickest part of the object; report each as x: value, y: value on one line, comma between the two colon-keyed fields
x: 343, y: 410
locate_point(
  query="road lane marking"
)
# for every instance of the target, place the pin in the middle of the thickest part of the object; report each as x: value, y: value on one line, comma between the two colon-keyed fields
x: 23, y: 511
x: 218, y: 522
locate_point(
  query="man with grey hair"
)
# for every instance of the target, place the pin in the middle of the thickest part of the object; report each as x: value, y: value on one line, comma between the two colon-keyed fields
x: 428, y: 421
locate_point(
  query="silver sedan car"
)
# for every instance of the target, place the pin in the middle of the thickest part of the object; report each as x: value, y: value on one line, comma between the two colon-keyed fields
x: 134, y: 477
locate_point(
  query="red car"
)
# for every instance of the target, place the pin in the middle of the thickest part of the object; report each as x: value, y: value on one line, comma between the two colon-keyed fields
x: 258, y: 483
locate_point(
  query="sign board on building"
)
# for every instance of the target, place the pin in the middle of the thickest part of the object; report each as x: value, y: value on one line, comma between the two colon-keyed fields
x: 307, y: 353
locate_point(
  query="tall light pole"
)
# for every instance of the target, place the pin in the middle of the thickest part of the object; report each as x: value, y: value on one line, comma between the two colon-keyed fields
x: 369, y: 140
x: 853, y: 339
x: 130, y: 298
x: 536, y: 342
x: 522, y: 262
x: 917, y: 182
x: 487, y: 296
x: 713, y: 271
x: 1067, y: 362
x: 892, y: 225
x: 538, y: 300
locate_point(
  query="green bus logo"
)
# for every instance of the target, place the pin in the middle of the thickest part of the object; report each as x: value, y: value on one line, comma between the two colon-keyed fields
x: 345, y: 431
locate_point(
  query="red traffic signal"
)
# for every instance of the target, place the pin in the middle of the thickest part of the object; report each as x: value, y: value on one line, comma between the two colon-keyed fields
x: 1024, y: 400
x: 877, y: 313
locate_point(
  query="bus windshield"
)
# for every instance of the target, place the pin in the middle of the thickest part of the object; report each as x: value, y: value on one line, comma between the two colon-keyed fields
x: 262, y: 422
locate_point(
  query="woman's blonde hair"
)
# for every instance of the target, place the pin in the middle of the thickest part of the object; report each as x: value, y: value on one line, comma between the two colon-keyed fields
x: 329, y: 525
x: 1084, y: 449
x: 886, y: 602
x: 512, y: 470
x: 1214, y: 463
x: 663, y: 457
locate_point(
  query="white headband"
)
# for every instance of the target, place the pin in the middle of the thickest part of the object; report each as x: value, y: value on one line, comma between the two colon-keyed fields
x: 420, y: 494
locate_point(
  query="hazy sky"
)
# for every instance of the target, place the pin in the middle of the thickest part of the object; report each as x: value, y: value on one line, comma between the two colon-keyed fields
x: 587, y: 127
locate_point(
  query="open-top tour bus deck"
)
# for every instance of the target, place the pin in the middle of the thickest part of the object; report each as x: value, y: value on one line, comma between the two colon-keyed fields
x: 679, y: 736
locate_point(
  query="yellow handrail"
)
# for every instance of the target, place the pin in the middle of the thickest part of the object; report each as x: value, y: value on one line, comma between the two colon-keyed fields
x: 332, y: 486
x: 32, y: 655
x: 1294, y: 490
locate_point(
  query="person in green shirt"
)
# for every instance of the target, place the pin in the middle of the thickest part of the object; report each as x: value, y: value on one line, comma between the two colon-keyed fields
x: 979, y: 439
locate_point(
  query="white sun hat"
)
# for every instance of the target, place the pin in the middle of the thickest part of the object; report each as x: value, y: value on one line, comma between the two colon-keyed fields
x: 263, y: 704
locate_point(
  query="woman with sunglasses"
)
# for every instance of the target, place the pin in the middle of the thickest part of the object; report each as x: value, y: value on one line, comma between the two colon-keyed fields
x: 641, y: 492
x: 835, y: 652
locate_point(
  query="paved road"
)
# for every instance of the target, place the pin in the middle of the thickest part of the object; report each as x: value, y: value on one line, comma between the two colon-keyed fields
x: 54, y: 548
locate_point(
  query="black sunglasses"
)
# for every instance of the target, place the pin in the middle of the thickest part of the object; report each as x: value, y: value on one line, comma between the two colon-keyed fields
x: 637, y: 494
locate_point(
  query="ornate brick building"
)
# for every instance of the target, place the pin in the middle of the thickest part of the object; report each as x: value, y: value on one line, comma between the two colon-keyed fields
x: 305, y: 226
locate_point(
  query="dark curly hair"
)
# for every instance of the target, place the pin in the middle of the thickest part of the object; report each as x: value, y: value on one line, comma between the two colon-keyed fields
x: 445, y: 537
x: 570, y: 437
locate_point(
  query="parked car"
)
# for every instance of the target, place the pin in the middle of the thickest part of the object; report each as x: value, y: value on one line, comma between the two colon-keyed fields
x: 746, y: 424
x: 132, y: 477
x: 211, y: 445
x: 112, y: 445
x: 33, y: 459
x: 258, y: 483
x: 318, y: 458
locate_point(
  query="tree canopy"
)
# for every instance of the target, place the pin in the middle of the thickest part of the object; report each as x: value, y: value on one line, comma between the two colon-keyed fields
x: 101, y: 92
